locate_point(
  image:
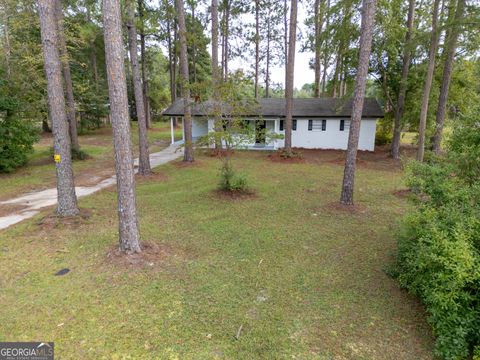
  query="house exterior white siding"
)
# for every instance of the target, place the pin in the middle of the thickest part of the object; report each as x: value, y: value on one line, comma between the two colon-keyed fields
x: 199, y: 127
x: 329, y: 136
x: 332, y: 137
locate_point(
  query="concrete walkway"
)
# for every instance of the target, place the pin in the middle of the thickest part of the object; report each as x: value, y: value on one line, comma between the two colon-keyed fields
x: 35, y: 201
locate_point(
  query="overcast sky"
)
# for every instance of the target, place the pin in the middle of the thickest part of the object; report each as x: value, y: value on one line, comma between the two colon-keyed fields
x: 303, y: 73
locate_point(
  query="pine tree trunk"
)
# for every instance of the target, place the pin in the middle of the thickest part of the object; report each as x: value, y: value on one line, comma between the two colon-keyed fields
x: 289, y: 76
x: 215, y: 69
x: 451, y: 47
x: 62, y: 48
x: 257, y: 44
x: 366, y: 34
x: 129, y: 236
x: 144, y: 156
x: 66, y: 197
x: 143, y: 54
x: 267, y: 70
x: 227, y: 36
x: 317, y: 48
x: 407, y: 52
x: 285, y: 36
x: 184, y: 82
x: 428, y: 83
x: 325, y: 53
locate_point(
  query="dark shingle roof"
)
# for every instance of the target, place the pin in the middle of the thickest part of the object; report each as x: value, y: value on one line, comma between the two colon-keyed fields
x: 323, y: 107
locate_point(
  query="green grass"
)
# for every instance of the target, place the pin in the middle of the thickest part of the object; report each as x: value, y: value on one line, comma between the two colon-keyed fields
x: 39, y: 173
x: 304, y: 280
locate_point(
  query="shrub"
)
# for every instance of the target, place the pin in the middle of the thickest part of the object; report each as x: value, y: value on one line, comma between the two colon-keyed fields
x: 439, y: 246
x: 16, y: 142
x: 230, y: 181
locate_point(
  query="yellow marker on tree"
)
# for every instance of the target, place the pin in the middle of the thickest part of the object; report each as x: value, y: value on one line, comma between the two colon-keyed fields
x: 57, y: 158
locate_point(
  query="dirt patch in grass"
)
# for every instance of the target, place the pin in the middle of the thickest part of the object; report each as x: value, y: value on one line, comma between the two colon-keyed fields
x: 180, y: 164
x: 54, y: 221
x: 403, y: 193
x: 379, y: 159
x: 153, y: 256
x: 235, y: 195
x: 279, y: 157
x: 153, y: 177
x: 336, y: 207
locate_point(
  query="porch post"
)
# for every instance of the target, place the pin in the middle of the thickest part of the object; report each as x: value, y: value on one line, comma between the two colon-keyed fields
x: 172, y: 132
x: 183, y: 129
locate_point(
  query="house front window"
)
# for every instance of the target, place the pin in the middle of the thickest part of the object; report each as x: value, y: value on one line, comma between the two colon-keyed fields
x: 317, y: 125
x: 294, y: 125
x: 344, y: 125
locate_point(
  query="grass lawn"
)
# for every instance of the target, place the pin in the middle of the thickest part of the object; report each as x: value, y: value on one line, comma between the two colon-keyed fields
x: 98, y: 144
x: 299, y: 277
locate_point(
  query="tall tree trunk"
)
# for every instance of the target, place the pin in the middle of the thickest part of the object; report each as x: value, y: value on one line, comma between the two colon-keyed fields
x: 144, y: 158
x: 143, y: 54
x: 257, y: 44
x: 366, y: 33
x: 184, y: 82
x: 325, y: 52
x: 66, y: 197
x: 285, y: 36
x: 289, y: 76
x: 6, y: 35
x: 215, y: 70
x: 428, y: 83
x: 62, y: 48
x: 317, y: 45
x: 338, y: 65
x: 129, y: 236
x: 267, y: 69
x: 227, y: 36
x: 215, y: 42
x: 407, y: 52
x: 451, y: 47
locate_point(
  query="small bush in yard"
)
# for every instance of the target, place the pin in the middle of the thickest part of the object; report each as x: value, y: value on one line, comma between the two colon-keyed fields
x: 16, y: 142
x: 439, y: 245
x: 230, y: 180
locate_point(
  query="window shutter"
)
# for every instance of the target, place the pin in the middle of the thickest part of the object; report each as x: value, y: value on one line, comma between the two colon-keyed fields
x: 324, y: 125
x: 281, y: 125
x: 342, y: 125
x: 310, y: 125
x: 294, y: 124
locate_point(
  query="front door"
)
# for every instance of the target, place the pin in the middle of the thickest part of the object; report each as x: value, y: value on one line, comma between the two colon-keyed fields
x: 260, y: 127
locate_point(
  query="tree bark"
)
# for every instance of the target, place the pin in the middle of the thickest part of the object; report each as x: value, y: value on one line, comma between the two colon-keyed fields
x: 143, y: 54
x: 144, y: 158
x: 290, y: 76
x: 325, y: 53
x: 215, y: 69
x: 257, y: 44
x: 428, y: 83
x: 285, y: 36
x: 451, y: 47
x: 184, y: 82
x: 129, y: 236
x: 66, y: 197
x: 407, y: 52
x: 62, y: 48
x: 366, y: 34
x: 317, y: 28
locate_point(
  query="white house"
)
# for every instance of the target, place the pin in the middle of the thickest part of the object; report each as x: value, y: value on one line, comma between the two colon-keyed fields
x: 322, y: 123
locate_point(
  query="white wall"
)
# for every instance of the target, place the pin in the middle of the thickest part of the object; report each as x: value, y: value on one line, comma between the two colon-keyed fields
x: 199, y: 127
x: 332, y: 137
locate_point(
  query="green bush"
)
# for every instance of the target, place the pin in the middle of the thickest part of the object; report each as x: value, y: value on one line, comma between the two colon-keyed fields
x: 384, y: 133
x: 16, y: 142
x: 439, y: 246
x: 230, y: 181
